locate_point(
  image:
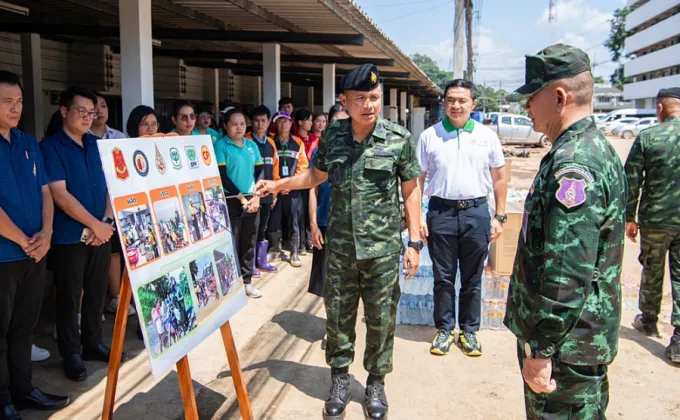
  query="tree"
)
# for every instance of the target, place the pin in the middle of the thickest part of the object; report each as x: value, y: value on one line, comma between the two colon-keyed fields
x: 598, y: 79
x: 616, y: 44
x: 432, y: 70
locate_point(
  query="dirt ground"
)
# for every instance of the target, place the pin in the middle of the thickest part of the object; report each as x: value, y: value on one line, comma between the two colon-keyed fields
x: 288, y: 378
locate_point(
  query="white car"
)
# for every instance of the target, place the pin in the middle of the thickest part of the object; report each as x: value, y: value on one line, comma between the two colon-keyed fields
x: 628, y: 131
x: 608, y: 127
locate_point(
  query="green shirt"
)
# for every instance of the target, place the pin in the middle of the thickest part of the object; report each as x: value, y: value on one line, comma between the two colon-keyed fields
x: 653, y: 166
x: 365, y: 218
x: 565, y: 289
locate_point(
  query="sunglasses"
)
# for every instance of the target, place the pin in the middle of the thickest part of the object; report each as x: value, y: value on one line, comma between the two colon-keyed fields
x: 190, y: 117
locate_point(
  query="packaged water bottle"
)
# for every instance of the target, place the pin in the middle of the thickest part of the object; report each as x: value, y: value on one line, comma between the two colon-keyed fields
x: 503, y: 286
x: 500, y: 313
x: 494, y: 323
x: 484, y: 324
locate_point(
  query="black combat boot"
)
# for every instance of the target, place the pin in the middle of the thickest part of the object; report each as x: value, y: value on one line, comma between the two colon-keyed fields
x: 375, y: 406
x: 338, y: 397
x: 294, y: 251
x: 274, y: 252
x: 646, y: 324
x: 673, y: 349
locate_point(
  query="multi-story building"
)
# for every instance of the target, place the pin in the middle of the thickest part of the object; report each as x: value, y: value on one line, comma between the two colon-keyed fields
x: 654, y: 43
x: 608, y: 98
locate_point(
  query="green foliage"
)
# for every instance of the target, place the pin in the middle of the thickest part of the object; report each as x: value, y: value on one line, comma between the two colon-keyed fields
x: 598, y: 79
x: 617, y: 78
x: 432, y: 70
x: 159, y: 289
x: 616, y: 44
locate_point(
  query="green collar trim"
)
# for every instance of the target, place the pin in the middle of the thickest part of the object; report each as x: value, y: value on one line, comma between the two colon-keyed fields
x: 469, y: 125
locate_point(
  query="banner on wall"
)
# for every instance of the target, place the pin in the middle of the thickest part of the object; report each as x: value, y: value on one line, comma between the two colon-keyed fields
x: 174, y: 229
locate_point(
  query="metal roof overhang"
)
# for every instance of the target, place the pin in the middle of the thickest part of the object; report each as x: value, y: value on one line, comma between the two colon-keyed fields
x: 311, y: 33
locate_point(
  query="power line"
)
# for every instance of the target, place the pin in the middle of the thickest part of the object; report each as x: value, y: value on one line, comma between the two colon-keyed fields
x: 415, y: 13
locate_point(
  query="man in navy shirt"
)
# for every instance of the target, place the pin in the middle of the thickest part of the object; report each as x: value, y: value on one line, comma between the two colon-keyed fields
x: 81, y: 251
x: 26, y: 212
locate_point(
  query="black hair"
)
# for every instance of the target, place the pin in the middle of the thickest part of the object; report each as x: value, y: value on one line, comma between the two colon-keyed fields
x: 9, y: 78
x: 319, y: 114
x: 136, y: 117
x: 260, y: 110
x: 462, y: 83
x: 203, y: 108
x: 285, y: 101
x: 302, y: 114
x: 178, y: 104
x: 334, y: 110
x: 98, y: 95
x: 68, y: 96
x: 54, y: 125
x: 231, y: 112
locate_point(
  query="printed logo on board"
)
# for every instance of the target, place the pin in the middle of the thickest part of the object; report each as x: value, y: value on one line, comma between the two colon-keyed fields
x: 141, y: 163
x: 160, y: 162
x: 122, y: 172
x: 175, y: 158
x: 191, y: 155
x: 205, y: 154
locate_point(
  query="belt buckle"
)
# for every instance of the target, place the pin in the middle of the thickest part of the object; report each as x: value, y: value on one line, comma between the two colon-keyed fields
x: 462, y: 204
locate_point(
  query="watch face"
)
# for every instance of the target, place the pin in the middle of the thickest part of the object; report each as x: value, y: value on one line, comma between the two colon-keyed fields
x: 527, y: 349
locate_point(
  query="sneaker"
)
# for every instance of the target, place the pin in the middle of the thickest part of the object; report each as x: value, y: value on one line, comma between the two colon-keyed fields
x: 112, y: 307
x: 442, y: 342
x: 252, y: 292
x: 469, y: 344
x: 39, y: 354
x: 646, y: 327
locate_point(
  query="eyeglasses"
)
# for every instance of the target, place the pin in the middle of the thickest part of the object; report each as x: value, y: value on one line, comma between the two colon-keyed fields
x: 82, y: 112
x: 205, y: 116
x: 147, y: 126
x: 190, y: 117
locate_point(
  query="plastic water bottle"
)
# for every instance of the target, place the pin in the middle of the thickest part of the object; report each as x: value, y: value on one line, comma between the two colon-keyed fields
x: 503, y: 286
x: 500, y: 313
x: 484, y: 325
x: 494, y: 322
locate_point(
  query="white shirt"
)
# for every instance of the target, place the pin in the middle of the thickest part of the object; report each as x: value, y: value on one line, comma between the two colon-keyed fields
x: 459, y: 160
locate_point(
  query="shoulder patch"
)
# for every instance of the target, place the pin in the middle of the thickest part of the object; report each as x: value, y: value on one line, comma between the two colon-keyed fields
x: 576, y: 171
x: 572, y: 192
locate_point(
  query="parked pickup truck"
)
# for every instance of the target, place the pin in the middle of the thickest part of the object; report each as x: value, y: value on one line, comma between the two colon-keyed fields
x: 516, y: 129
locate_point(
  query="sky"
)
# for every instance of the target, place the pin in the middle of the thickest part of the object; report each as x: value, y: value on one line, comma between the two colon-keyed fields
x: 507, y: 30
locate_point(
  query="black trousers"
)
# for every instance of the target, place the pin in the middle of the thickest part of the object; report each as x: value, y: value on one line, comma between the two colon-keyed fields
x: 317, y: 277
x: 76, y: 268
x: 458, y: 238
x: 244, y: 227
x: 265, y: 213
x: 303, y: 221
x: 287, y: 207
x: 21, y: 292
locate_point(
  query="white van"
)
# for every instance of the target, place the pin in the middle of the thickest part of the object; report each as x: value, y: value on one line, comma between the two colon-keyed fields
x: 627, y: 113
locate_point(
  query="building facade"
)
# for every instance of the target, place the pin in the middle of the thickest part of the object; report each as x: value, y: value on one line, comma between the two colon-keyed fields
x: 608, y: 98
x: 654, y: 42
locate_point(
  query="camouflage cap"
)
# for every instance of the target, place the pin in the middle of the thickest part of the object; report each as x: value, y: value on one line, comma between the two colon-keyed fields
x: 673, y: 92
x: 555, y: 62
x: 363, y: 78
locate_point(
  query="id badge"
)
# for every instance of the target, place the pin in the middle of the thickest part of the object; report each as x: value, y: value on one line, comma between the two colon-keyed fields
x: 284, y: 171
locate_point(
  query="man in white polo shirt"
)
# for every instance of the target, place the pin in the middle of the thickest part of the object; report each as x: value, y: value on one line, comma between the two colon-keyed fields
x: 464, y: 161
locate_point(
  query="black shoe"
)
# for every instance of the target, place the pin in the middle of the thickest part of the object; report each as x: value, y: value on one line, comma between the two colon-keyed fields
x: 294, y: 251
x: 75, y: 369
x: 101, y: 353
x: 9, y: 412
x: 375, y: 406
x: 334, y: 408
x: 441, y: 344
x: 39, y: 400
x: 310, y: 247
x: 646, y: 326
x: 673, y: 352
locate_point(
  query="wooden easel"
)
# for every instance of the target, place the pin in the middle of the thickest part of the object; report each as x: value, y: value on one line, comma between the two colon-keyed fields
x: 186, y: 386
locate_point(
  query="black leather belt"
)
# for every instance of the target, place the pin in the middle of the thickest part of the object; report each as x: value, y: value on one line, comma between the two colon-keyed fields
x: 460, y: 204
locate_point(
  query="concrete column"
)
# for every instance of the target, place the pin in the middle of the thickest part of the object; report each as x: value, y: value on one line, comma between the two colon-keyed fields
x: 459, y: 50
x: 136, y: 55
x: 287, y: 90
x: 212, y: 86
x: 394, y: 113
x: 328, y: 86
x: 402, y: 107
x: 258, y: 90
x: 310, y: 98
x: 271, y: 80
x: 411, y: 99
x: 33, y: 114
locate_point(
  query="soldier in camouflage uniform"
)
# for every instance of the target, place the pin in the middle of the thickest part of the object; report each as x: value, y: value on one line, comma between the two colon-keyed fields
x: 653, y: 166
x: 564, y: 303
x: 365, y: 159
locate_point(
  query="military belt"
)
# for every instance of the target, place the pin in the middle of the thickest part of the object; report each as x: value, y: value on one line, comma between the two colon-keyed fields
x: 459, y: 204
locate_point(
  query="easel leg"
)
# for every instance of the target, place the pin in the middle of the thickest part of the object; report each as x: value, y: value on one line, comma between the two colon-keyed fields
x: 236, y: 373
x: 117, y: 346
x: 186, y: 388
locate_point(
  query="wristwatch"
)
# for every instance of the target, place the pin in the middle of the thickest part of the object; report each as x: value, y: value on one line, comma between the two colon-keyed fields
x: 419, y: 245
x: 501, y: 218
x: 532, y: 353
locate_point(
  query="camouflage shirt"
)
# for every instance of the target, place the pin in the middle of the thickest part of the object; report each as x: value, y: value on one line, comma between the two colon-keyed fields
x: 364, y: 217
x: 653, y: 166
x: 564, y: 291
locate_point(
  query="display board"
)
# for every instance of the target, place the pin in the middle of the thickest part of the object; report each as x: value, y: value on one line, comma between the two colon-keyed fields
x: 174, y: 229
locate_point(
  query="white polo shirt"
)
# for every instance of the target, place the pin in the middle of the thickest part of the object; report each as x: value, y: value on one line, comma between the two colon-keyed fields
x: 458, y: 160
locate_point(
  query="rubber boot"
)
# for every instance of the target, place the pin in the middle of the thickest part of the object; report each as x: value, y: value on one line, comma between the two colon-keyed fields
x: 274, y: 253
x: 262, y: 263
x: 334, y: 408
x: 294, y: 251
x: 375, y: 405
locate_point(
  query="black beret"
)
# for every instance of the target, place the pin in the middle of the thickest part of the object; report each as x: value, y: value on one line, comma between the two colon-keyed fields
x: 669, y: 93
x: 363, y: 78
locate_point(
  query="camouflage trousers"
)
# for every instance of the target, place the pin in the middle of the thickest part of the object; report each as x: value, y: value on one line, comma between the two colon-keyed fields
x: 582, y: 393
x: 654, y: 245
x: 376, y: 282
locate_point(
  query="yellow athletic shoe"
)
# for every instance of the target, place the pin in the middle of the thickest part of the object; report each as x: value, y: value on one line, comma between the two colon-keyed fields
x: 442, y: 342
x: 469, y: 344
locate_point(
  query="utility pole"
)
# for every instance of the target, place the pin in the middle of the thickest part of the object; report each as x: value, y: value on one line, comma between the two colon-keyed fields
x: 468, y: 36
x: 459, y: 40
